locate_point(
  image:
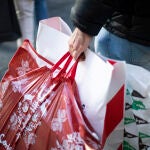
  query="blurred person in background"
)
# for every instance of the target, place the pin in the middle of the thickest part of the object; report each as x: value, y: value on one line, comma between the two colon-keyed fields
x: 30, y: 12
x: 124, y: 27
x: 41, y: 11
x: 25, y: 12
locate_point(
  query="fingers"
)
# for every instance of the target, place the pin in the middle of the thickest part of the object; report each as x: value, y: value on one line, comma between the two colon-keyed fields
x: 77, y: 52
x: 71, y: 44
x: 78, y: 43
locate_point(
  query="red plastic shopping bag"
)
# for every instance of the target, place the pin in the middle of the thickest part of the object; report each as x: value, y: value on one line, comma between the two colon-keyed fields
x: 40, y: 105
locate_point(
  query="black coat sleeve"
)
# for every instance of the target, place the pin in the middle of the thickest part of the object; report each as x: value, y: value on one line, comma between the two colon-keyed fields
x: 90, y: 15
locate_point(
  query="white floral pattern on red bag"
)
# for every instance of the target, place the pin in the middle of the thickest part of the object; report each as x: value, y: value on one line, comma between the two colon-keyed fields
x: 56, y: 124
x: 24, y: 68
x: 17, y: 86
x: 4, y: 142
x: 73, y: 141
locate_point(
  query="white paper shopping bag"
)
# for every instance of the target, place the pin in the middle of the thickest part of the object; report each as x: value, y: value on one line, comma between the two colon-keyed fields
x: 100, y: 83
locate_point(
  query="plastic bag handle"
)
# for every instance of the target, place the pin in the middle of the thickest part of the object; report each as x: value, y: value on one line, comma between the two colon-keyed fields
x: 72, y: 72
x: 67, y: 58
x: 60, y: 61
x: 69, y: 75
x: 63, y: 70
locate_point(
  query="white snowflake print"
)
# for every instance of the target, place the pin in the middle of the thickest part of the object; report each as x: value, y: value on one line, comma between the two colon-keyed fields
x: 28, y: 97
x: 36, y: 117
x: 4, y: 142
x: 75, y: 137
x: 25, y: 107
x: 75, y: 142
x: 72, y: 142
x: 56, y: 124
x: 29, y: 135
x: 17, y: 85
x: 19, y: 119
x: 34, y: 106
x: 30, y: 139
x: 24, y: 68
x: 14, y: 121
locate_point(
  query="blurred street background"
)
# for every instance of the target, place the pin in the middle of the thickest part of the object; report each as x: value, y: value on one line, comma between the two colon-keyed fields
x: 59, y: 8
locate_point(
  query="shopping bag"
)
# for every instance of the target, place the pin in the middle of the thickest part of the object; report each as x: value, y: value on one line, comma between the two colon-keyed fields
x: 137, y: 108
x: 40, y: 105
x: 9, y: 25
x: 100, y: 83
